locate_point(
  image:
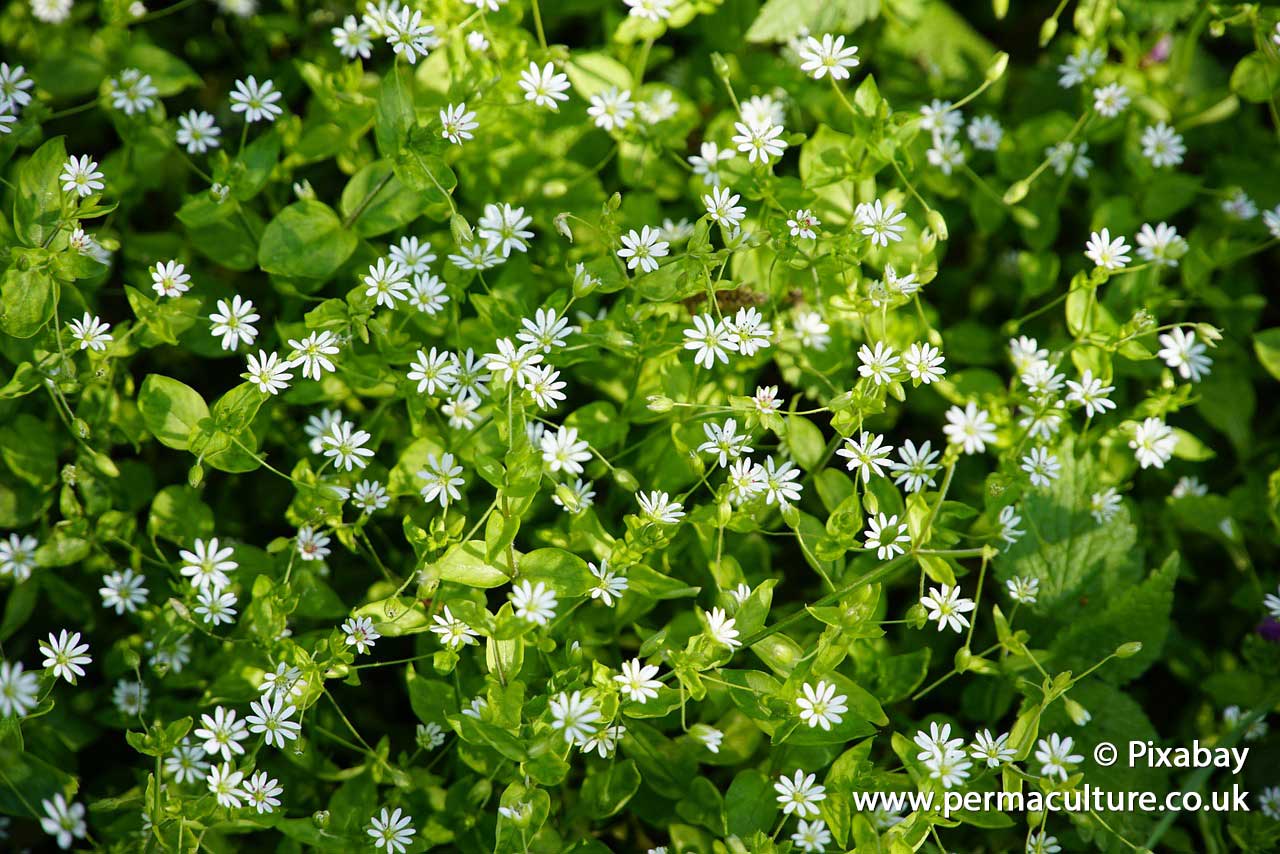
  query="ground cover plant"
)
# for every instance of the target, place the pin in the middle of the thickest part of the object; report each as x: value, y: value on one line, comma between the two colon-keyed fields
x: 638, y: 427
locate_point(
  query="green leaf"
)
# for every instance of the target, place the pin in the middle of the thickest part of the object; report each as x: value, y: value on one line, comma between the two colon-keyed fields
x: 782, y: 20
x: 805, y: 441
x: 1266, y: 346
x: 27, y: 301
x: 749, y: 805
x: 169, y: 74
x: 464, y: 563
x: 593, y: 73
x: 37, y: 205
x: 394, y: 115
x: 305, y: 240
x: 171, y: 410
x: 1070, y: 553
x: 27, y: 446
x: 607, y: 790
x: 422, y: 168
x: 378, y: 202
x: 1255, y: 78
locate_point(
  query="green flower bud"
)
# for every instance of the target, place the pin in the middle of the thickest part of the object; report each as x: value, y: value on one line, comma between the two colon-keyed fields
x: 1129, y: 650
x: 626, y: 480
x: 1017, y: 192
x: 937, y: 224
x: 1047, y: 31
x: 659, y: 403
x: 996, y: 69
x: 320, y: 818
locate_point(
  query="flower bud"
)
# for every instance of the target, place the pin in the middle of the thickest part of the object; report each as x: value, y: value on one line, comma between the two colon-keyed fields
x: 935, y: 220
x: 195, y: 476
x: 626, y: 480
x: 1210, y: 333
x: 461, y: 229
x: 720, y: 66
x: 1047, y: 31
x: 996, y: 69
x: 1016, y: 192
x: 1025, y: 218
x: 320, y: 818
x: 660, y: 403
x: 1129, y: 650
x: 562, y: 225
x: 1079, y: 714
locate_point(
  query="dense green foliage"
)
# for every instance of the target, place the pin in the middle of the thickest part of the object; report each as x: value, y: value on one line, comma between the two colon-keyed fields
x: 641, y: 406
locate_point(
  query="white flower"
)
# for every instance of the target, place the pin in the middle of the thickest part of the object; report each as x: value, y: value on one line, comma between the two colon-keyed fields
x: 604, y: 741
x: 1041, y: 467
x: 268, y: 372
x: 1232, y: 716
x: 812, y: 837
x: 609, y: 585
x: 1271, y: 219
x: 430, y: 735
x: 759, y: 142
x: 392, y: 831
x: 1054, y: 755
x: 950, y: 768
x: 985, y: 132
x: 257, y: 102
x: 821, y: 705
x: 311, y: 544
x: 456, y: 123
x: 1023, y: 590
x: 207, y: 565
x: 711, y: 339
x: 799, y: 794
x: 63, y: 821
x: 442, y: 478
x: 764, y: 109
x: 1161, y: 244
x: 1104, y: 505
x: 1091, y: 394
x: 414, y: 256
x: 650, y: 10
x: 409, y: 36
x: 724, y: 441
x: 476, y: 708
x: 1189, y: 486
x: 386, y: 282
x: 940, y: 119
x: 749, y: 331
x: 169, y: 279
x: 346, y: 446
x: 1009, y: 521
x: 706, y: 162
x: 1105, y: 252
x: 64, y: 654
x: 18, y: 556
x: 261, y: 791
x: 803, y: 224
x: 18, y: 690
x: 453, y: 632
x: 659, y: 507
x: 564, y: 451
x: 132, y: 92
x: 722, y: 628
x: 1069, y: 155
x: 811, y: 329
x: 936, y: 742
x: 510, y: 364
x: 993, y: 750
x: 574, y: 716
x: 947, y: 607
x: 360, y: 633
x: 461, y: 412
x: 766, y: 400
x: 879, y: 222
x: 14, y: 84
x: 1110, y: 100
x: 123, y: 591
x: 709, y: 736
x: 1153, y: 443
x: 222, y: 733
x: 779, y: 483
x: 1269, y: 801
x: 1042, y: 843
x: 544, y: 86
x: 271, y: 718
x: 879, y: 365
x: 867, y: 456
x: 1080, y: 66
x: 945, y: 154
x: 612, y: 109
x: 969, y: 427
x: 637, y: 682
x: 427, y: 294
x: 434, y: 371
x: 580, y: 496
x: 533, y: 602
x: 284, y: 681
x: 224, y: 782
x: 1025, y: 352
x: 352, y: 38
x: 917, y: 467
x: 91, y: 332
x: 1162, y: 145
x: 1183, y: 353
x: 186, y: 763
x: 545, y: 385
x: 52, y: 11
x: 504, y: 228
x: 548, y: 330
x: 130, y: 698
x: 1238, y: 206
x: 828, y: 56
x: 312, y: 353
x: 216, y: 606
x: 723, y: 208
x: 643, y: 249
x: 234, y: 322
x: 923, y: 362
x: 886, y: 535
x: 81, y: 176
